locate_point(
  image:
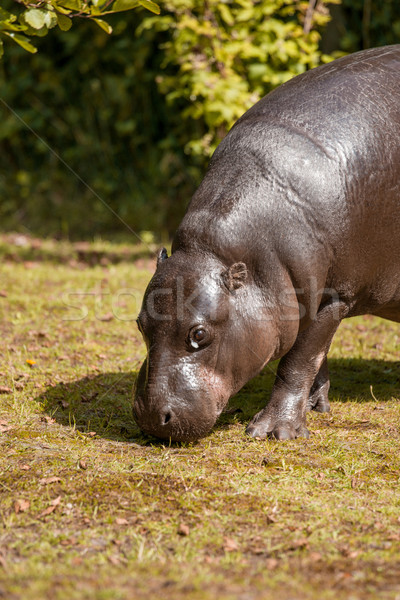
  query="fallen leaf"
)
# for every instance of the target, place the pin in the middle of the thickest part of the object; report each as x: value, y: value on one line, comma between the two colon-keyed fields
x: 121, y: 521
x: 69, y: 542
x: 300, y: 543
x: 4, y: 428
x: 92, y: 433
x: 5, y: 390
x: 53, y: 505
x: 183, y: 529
x: 47, y: 419
x: 258, y: 550
x: 82, y: 464
x: 21, y: 505
x: 3, y: 422
x: 3, y: 294
x: 271, y: 519
x: 315, y: 556
x: 48, y: 480
x: 25, y: 467
x: 271, y: 563
x: 230, y: 545
x: 114, y: 560
x: 106, y: 317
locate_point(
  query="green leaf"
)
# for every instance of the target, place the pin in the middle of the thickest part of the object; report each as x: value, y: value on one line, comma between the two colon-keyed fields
x: 226, y: 14
x: 64, y: 22
x: 72, y: 4
x: 50, y: 19
x: 22, y: 41
x: 104, y: 25
x: 35, y: 17
x: 120, y: 5
x: 151, y: 6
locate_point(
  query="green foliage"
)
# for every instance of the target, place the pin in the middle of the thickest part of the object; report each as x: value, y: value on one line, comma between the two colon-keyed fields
x: 137, y: 117
x: 227, y: 55
x: 369, y: 24
x: 37, y: 17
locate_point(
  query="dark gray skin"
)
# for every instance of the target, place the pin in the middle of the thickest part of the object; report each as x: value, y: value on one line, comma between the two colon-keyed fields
x: 295, y: 226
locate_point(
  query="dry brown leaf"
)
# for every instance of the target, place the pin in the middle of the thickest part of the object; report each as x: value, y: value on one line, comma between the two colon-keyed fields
x: 82, y: 464
x: 48, y: 480
x: 25, y: 467
x: 114, y: 560
x: 107, y: 317
x: 5, y: 390
x: 121, y: 521
x: 300, y: 543
x: 230, y: 545
x: 21, y: 505
x: 315, y: 556
x: 183, y: 529
x: 4, y: 428
x: 271, y: 563
x: 47, y: 419
x: 3, y: 294
x: 47, y: 511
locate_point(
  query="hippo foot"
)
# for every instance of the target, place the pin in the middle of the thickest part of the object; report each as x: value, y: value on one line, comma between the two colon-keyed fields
x: 262, y: 428
x: 319, y: 402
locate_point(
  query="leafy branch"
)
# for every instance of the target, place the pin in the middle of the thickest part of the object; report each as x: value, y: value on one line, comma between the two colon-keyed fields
x: 37, y: 18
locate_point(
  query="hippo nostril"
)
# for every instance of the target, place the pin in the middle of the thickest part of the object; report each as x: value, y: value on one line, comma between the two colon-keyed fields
x: 167, y: 417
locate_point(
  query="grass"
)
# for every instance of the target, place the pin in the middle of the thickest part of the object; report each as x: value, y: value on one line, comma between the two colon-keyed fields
x: 91, y: 509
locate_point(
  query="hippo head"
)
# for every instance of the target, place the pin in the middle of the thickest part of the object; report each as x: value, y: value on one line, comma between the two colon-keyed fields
x: 207, y: 333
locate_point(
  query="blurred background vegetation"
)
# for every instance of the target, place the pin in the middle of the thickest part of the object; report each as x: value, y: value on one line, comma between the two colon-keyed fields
x: 131, y: 119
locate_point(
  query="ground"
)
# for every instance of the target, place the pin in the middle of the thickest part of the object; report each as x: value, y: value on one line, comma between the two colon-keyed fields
x: 91, y: 509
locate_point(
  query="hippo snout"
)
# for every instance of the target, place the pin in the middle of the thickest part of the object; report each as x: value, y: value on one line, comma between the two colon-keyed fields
x: 168, y: 422
x: 160, y: 422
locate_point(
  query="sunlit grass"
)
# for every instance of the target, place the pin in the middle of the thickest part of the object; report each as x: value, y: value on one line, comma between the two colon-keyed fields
x: 315, y: 518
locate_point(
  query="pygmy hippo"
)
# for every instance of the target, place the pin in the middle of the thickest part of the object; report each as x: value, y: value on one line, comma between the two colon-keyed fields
x: 295, y: 226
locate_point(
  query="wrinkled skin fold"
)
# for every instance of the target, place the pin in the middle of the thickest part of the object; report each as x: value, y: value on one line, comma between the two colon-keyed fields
x: 295, y: 227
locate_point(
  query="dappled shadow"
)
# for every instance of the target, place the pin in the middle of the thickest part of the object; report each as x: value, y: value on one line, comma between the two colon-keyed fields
x: 103, y: 403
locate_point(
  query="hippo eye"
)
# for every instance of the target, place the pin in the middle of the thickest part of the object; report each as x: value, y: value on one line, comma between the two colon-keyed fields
x: 198, y: 336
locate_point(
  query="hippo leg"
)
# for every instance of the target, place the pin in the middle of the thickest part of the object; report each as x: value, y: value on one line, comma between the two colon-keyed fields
x: 285, y: 415
x: 318, y: 399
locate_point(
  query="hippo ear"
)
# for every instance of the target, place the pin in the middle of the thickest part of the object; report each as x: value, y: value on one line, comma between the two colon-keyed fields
x: 161, y: 256
x: 235, y: 277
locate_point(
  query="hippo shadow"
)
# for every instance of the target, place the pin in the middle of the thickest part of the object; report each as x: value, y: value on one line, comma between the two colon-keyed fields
x: 103, y: 403
x: 351, y: 380
x: 100, y: 403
